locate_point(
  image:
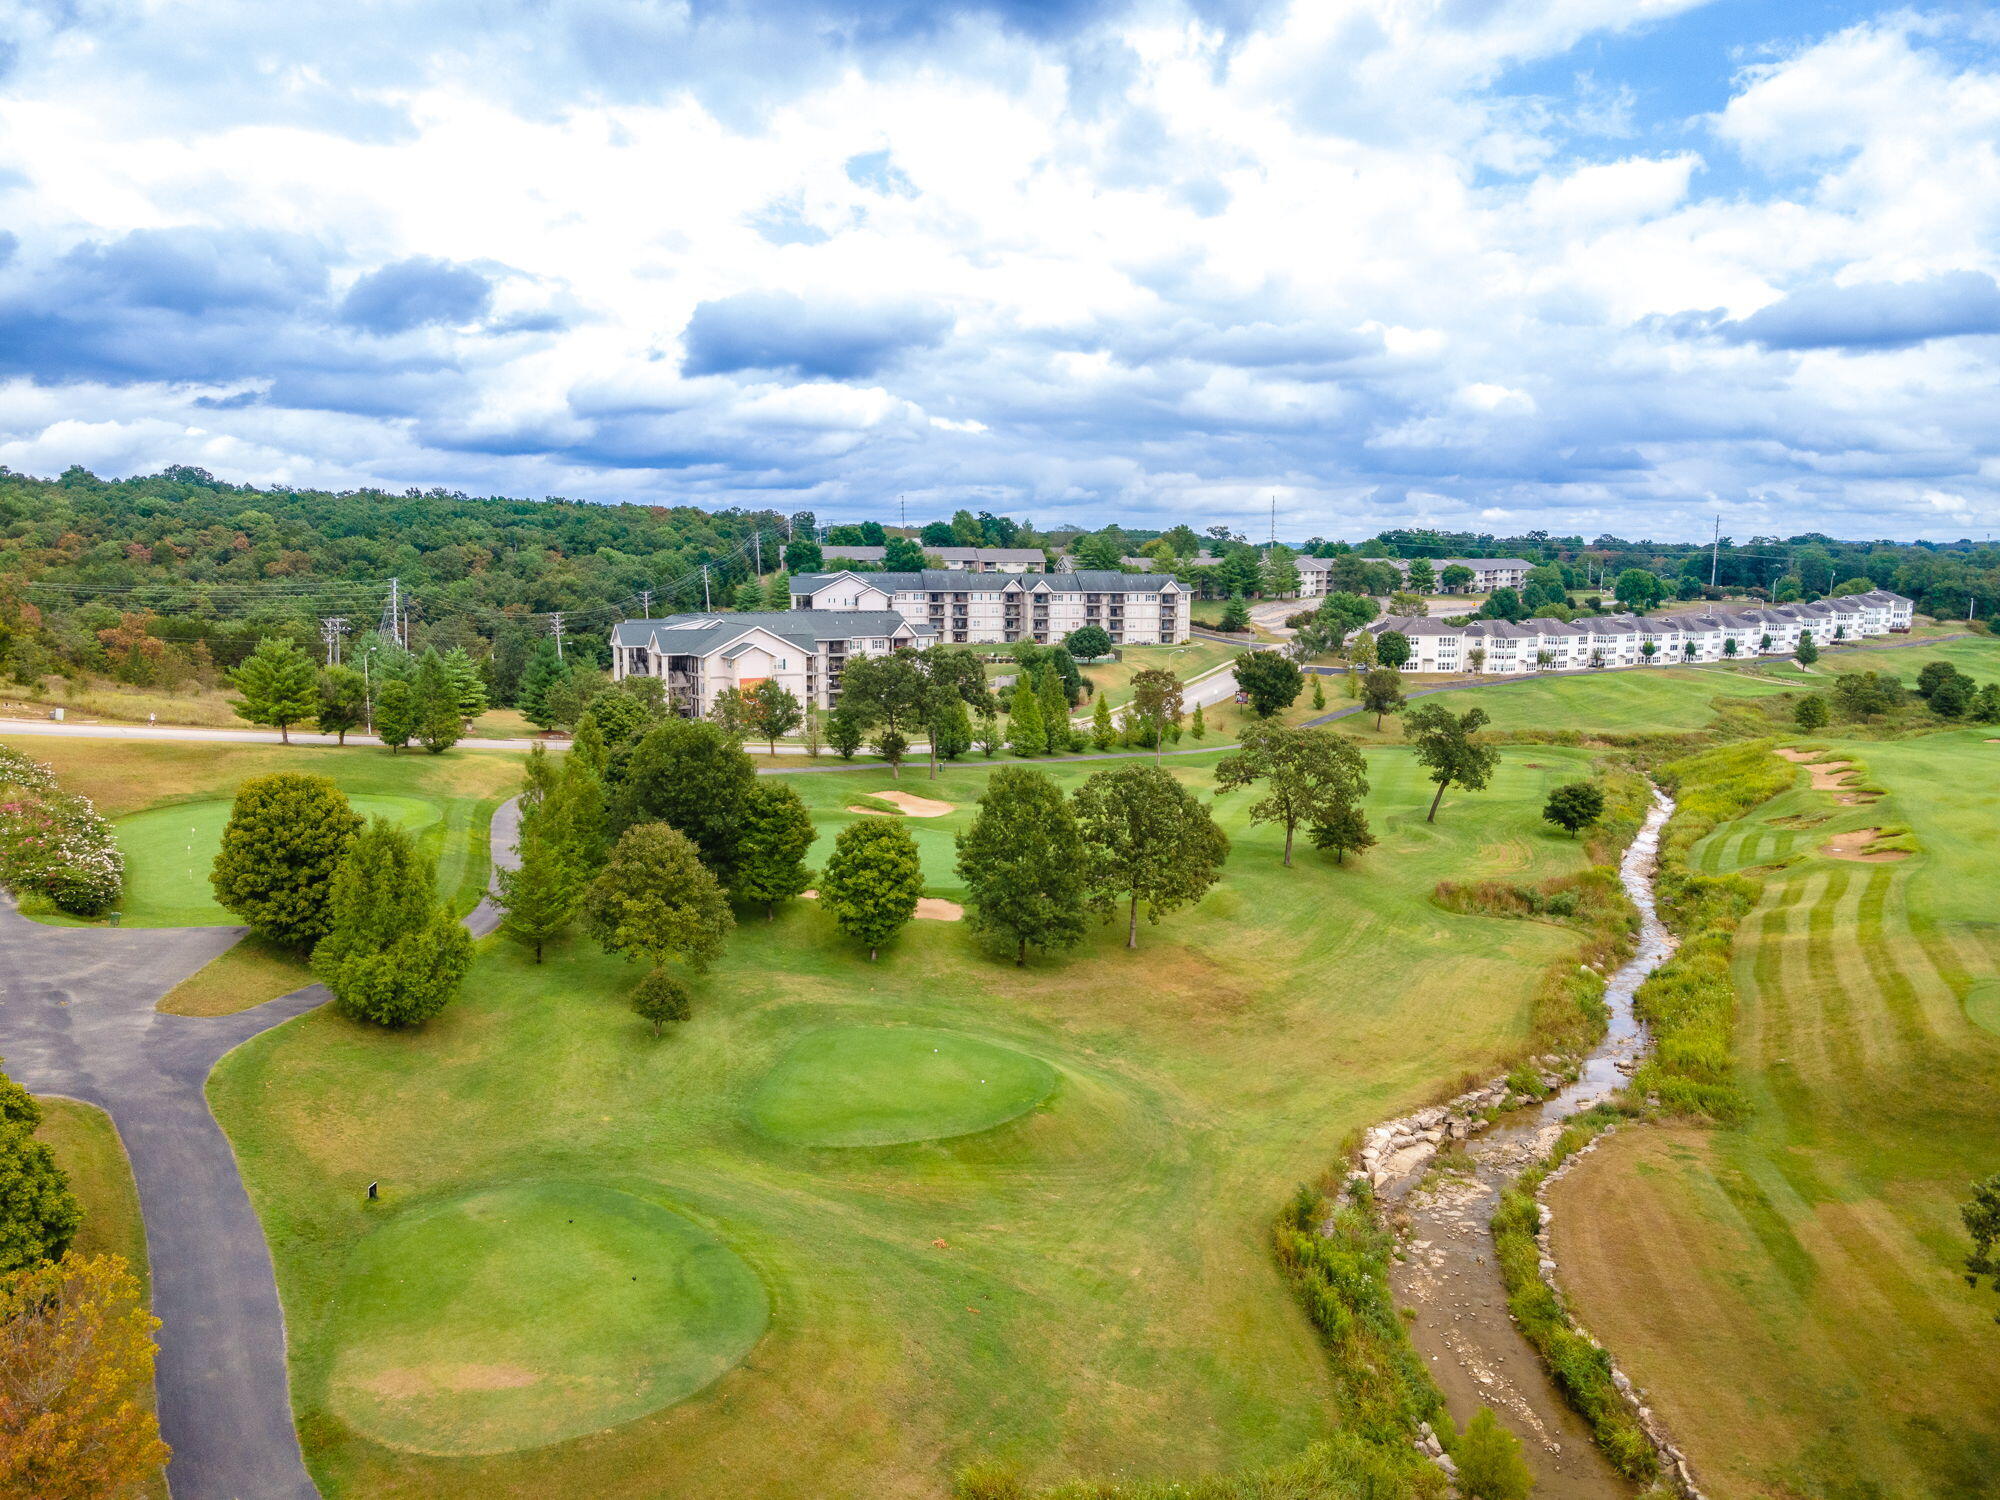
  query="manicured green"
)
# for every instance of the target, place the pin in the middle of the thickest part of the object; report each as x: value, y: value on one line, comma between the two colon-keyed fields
x: 1086, y: 1289
x: 169, y: 851
x: 523, y: 1315
x: 886, y: 1085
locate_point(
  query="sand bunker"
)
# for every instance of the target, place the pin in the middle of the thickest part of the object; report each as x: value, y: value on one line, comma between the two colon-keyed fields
x: 1827, y: 775
x: 914, y: 807
x: 929, y: 908
x: 1855, y: 846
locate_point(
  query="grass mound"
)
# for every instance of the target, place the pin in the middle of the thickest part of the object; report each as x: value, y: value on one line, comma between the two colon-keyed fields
x: 886, y: 1085
x: 521, y: 1316
x: 170, y: 850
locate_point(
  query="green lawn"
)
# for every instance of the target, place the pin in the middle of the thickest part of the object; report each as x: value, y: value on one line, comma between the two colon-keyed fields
x: 1187, y: 661
x: 1788, y: 1293
x: 1082, y: 1287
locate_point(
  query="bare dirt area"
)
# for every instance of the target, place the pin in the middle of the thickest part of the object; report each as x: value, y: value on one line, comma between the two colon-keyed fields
x: 929, y: 908
x: 912, y: 806
x: 1858, y: 846
x: 1827, y: 775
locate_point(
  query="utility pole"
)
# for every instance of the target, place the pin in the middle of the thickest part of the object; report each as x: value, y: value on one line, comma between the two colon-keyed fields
x: 331, y: 629
x: 705, y: 604
x: 555, y: 629
x: 757, y: 546
x: 903, y: 511
x: 1715, y: 550
x: 1274, y: 526
x: 645, y: 604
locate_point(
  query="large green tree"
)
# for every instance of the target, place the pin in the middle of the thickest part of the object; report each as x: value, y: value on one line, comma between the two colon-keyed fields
x: 392, y: 955
x: 656, y: 902
x: 1156, y: 705
x: 439, y: 724
x: 343, y: 702
x: 691, y: 776
x: 887, y: 694
x: 1574, y: 806
x: 1446, y: 748
x: 772, y: 711
x: 1392, y: 649
x: 771, y: 850
x: 279, y: 686
x: 541, y: 895
x: 1022, y: 862
x: 872, y: 881
x: 546, y: 673
x: 395, y: 714
x: 1148, y: 842
x: 1271, y: 680
x: 1382, y: 693
x: 1026, y: 732
x: 468, y: 688
x: 1308, y: 775
x: 286, y: 836
x: 39, y: 1215
x: 1981, y: 1214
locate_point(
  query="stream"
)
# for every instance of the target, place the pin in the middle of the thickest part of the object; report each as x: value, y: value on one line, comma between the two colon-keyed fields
x: 1451, y: 1279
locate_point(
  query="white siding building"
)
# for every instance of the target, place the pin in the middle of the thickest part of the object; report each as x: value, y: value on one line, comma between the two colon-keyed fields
x: 1133, y: 608
x: 1488, y: 573
x: 699, y: 656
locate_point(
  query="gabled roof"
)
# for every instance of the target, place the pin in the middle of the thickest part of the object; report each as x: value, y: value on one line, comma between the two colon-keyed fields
x: 852, y: 552
x: 939, y: 581
x: 701, y: 634
x: 1030, y: 555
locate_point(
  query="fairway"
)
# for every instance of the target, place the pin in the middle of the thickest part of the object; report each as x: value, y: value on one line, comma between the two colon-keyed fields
x: 1789, y: 1293
x: 883, y: 1086
x: 529, y: 1314
x: 990, y: 1279
x: 169, y: 852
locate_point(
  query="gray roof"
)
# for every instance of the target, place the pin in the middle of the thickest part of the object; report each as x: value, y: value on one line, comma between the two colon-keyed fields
x: 938, y: 580
x: 1031, y: 555
x: 1475, y: 563
x: 853, y: 553
x: 699, y: 634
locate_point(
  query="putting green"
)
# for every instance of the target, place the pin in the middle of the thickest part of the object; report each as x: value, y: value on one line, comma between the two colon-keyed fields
x: 526, y: 1315
x: 1982, y: 1004
x: 170, y: 850
x: 884, y: 1085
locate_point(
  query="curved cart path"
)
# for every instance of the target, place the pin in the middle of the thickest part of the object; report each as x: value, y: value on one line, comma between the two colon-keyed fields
x: 77, y: 1018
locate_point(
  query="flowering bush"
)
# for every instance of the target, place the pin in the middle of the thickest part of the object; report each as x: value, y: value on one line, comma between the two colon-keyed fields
x: 53, y: 843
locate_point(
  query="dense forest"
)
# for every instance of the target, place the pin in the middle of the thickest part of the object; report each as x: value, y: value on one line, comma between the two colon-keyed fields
x: 171, y: 578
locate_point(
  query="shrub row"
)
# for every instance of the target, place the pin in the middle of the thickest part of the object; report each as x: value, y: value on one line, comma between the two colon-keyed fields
x: 1690, y: 1000
x: 1579, y: 1367
x: 54, y: 844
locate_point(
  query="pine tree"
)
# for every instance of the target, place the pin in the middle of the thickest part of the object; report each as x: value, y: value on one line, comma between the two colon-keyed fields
x: 1103, y: 733
x: 778, y: 591
x: 587, y: 746
x: 286, y: 837
x: 1022, y: 862
x: 1235, y: 615
x: 541, y: 895
x: 872, y: 881
x: 342, y: 701
x: 776, y: 833
x: 545, y: 671
x: 987, y: 734
x: 391, y: 954
x: 395, y: 714
x: 468, y: 688
x: 577, y: 818
x: 1026, y: 733
x: 438, y: 724
x: 951, y: 735
x: 748, y: 597
x: 279, y: 686
x: 1319, y: 692
x: 1055, y: 711
x: 1198, y: 725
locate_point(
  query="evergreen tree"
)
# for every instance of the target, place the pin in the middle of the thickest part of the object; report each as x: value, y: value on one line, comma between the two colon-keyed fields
x: 587, y: 746
x: 286, y: 836
x: 1148, y: 842
x: 656, y: 903
x: 541, y: 895
x: 577, y: 818
x: 1022, y: 862
x: 545, y: 671
x: 1986, y: 706
x: 872, y: 881
x: 771, y: 848
x: 539, y: 778
x: 689, y: 775
x: 749, y: 596
x: 778, y: 591
x: 659, y: 998
x: 1026, y: 732
x: 343, y: 701
x: 1235, y: 616
x: 1055, y: 710
x: 39, y: 1215
x: 951, y: 733
x: 468, y: 688
x: 392, y: 955
x: 1103, y: 733
x: 1198, y: 725
x: 1807, y: 651
x: 1319, y: 692
x: 438, y: 725
x: 395, y: 714
x: 278, y: 684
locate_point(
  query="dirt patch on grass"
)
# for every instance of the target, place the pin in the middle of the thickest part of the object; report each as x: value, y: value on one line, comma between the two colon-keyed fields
x: 1827, y: 775
x: 929, y: 908
x: 1801, y: 820
x: 427, y: 1380
x: 1858, y: 845
x: 910, y: 806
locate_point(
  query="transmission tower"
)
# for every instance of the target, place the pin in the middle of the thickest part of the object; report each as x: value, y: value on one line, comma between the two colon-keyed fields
x: 331, y: 629
x: 392, y: 613
x: 556, y: 630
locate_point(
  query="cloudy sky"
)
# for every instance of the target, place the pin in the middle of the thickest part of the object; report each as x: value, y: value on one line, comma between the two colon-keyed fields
x: 1582, y: 264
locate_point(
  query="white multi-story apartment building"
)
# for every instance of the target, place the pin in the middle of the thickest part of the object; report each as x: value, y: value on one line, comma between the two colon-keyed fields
x: 1547, y: 645
x: 1134, y: 608
x: 1488, y: 573
x: 699, y: 656
x: 955, y: 559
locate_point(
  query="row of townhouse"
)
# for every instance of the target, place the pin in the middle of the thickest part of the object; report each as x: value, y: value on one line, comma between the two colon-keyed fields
x: 1133, y: 608
x: 1545, y: 645
x: 1488, y: 573
x: 700, y: 656
x: 955, y: 559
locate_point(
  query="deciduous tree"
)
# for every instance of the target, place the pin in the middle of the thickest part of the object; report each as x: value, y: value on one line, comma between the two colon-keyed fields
x: 1574, y: 806
x: 1382, y: 693
x: 1308, y: 775
x: 887, y: 695
x: 773, y: 711
x: 1270, y: 680
x: 286, y: 836
x: 343, y: 702
x: 872, y: 881
x: 278, y: 684
x: 392, y: 955
x: 661, y: 997
x: 1490, y: 1465
x: 1022, y: 861
x: 1156, y: 704
x: 656, y: 902
x: 1148, y: 842
x: 1088, y: 643
x: 771, y: 850
x: 1981, y: 1214
x: 1345, y: 831
x: 38, y: 1213
x: 1445, y: 746
x: 1392, y: 649
x: 691, y: 776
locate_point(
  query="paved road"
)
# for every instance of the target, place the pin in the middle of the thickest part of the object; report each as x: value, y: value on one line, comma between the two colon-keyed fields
x: 77, y: 1018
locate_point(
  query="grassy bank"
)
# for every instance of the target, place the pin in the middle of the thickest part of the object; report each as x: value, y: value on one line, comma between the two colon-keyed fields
x: 1787, y: 1291
x: 997, y: 1295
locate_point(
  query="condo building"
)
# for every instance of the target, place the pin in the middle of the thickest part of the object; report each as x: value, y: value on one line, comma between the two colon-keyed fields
x: 1133, y: 608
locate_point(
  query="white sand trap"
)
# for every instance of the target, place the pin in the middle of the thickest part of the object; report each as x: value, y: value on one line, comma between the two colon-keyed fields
x: 929, y: 908
x: 914, y: 807
x: 1855, y: 846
